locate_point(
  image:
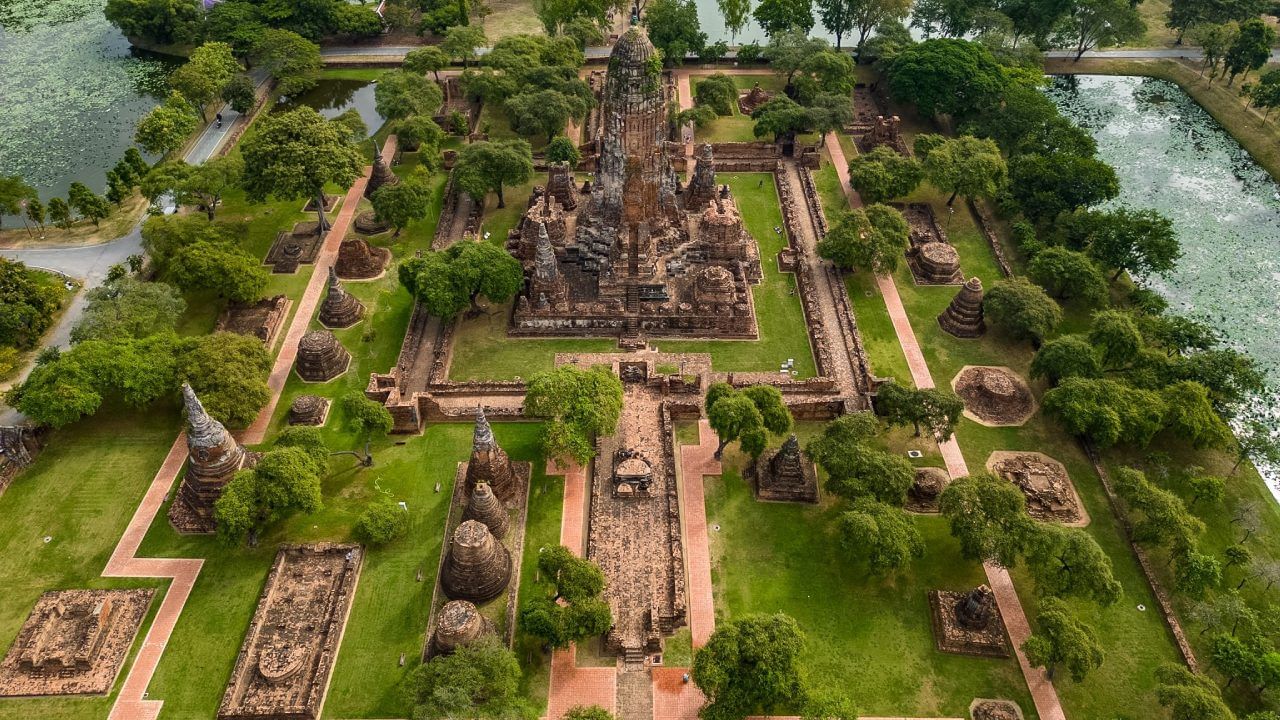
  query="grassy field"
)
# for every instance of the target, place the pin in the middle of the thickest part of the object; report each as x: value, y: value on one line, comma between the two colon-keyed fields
x: 734, y: 127
x: 482, y: 349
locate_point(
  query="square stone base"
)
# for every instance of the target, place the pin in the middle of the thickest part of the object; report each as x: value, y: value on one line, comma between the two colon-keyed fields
x: 951, y: 637
x: 769, y: 489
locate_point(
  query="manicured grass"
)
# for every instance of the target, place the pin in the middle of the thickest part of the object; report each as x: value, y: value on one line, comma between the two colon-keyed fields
x: 867, y: 637
x: 494, y: 121
x: 541, y: 530
x: 80, y: 493
x: 482, y: 349
x: 734, y: 127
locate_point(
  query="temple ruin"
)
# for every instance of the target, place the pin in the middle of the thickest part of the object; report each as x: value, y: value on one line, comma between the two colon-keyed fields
x: 968, y: 623
x: 989, y: 709
x: 993, y: 395
x: 788, y: 476
x: 213, y: 458
x: 309, y: 410
x: 640, y: 255
x: 74, y: 642
x: 262, y: 319
x: 284, y: 665
x: 340, y: 309
x: 358, y: 260
x: 926, y: 489
x: 380, y: 176
x: 321, y: 357
x: 489, y: 463
x: 476, y: 566
x: 963, y: 317
x: 458, y: 623
x: 1044, y: 482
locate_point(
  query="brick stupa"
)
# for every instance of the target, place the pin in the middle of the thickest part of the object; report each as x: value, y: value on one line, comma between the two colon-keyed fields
x: 213, y: 458
x: 963, y: 317
x: 477, y: 567
x: 489, y: 463
x: 341, y: 309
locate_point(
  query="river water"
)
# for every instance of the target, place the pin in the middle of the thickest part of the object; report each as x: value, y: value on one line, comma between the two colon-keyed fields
x: 1172, y: 156
x: 71, y: 91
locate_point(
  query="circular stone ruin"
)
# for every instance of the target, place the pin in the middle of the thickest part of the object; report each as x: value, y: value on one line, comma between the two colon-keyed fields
x: 477, y: 567
x: 994, y: 396
x: 458, y: 623
x: 367, y: 223
x: 308, y: 410
x: 923, y: 494
x: 984, y: 709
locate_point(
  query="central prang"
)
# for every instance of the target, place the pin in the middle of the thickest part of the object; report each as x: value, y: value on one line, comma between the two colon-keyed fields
x: 634, y: 252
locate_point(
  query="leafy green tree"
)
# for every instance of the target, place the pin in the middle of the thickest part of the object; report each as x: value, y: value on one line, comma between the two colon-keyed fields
x: 855, y: 469
x: 988, y: 516
x: 776, y: 16
x: 576, y: 611
x: 1027, y: 122
x: 1226, y: 610
x: 240, y: 93
x: 1089, y: 23
x: 1116, y: 336
x: 291, y: 59
x: 382, y: 522
x: 356, y: 21
x: 1065, y: 357
x: 1046, y: 185
x: 462, y: 42
x: 203, y: 185
x: 402, y: 203
x: 426, y: 59
x: 60, y: 212
x: 781, y: 118
x: 205, y: 75
x: 827, y: 71
x: 946, y: 77
x: 366, y: 418
x: 1067, y: 562
x: 128, y: 308
x: 588, y: 712
x: 1106, y: 411
x: 285, y: 480
x: 1256, y: 443
x: 751, y: 664
x: 746, y: 415
x: 421, y: 134
x: 949, y: 18
x: 1184, y: 14
x: 28, y: 300
x: 874, y: 238
x: 1022, y: 310
x: 1235, y: 658
x: 965, y: 166
x: 544, y: 112
x: 402, y: 93
x: 294, y: 155
x: 882, y: 174
x: 36, y: 212
x: 1195, y: 573
x: 1250, y: 50
x: 931, y: 408
x: 735, y: 14
x: 485, y: 167
x: 883, y: 534
x: 1162, y: 518
x: 1063, y: 640
x: 13, y: 192
x: 478, y: 680
x: 229, y: 372
x: 222, y: 267
x: 1067, y: 274
x: 563, y: 150
x: 164, y: 22
x: 450, y: 281
x: 1190, y: 415
x: 90, y: 205
x: 674, y: 29
x: 577, y: 405
x: 167, y: 127
x: 788, y: 51
x: 1137, y: 241
x: 718, y: 92
x: 1214, y: 40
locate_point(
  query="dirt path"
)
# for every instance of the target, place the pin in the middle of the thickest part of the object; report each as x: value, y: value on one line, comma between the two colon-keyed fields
x: 1043, y: 694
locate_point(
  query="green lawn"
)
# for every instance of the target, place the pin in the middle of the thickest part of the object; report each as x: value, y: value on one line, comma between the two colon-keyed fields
x: 867, y: 638
x: 734, y: 127
x: 482, y: 349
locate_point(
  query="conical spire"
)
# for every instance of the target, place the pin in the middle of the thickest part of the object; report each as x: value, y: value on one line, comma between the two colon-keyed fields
x: 340, y: 309
x: 483, y: 437
x: 544, y: 261
x: 202, y: 429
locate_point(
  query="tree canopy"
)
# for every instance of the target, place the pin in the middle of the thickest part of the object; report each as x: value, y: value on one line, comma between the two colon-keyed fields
x: 946, y: 77
x: 477, y: 680
x: 746, y: 415
x: 1022, y: 310
x: 28, y: 300
x: 674, y: 29
x: 964, y: 166
x: 883, y: 174
x: 1061, y: 639
x: 285, y: 480
x: 168, y: 125
x: 751, y: 663
x: 883, y: 534
x: 988, y: 516
x: 127, y: 308
x: 874, y: 237
x: 576, y: 405
x: 488, y: 166
x: 934, y: 409
x: 450, y: 281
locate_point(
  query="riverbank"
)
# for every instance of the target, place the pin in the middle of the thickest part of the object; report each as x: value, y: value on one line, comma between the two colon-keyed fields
x: 1246, y: 125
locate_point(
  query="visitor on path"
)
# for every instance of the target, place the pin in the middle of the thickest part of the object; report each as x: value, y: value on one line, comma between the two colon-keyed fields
x: 218, y: 117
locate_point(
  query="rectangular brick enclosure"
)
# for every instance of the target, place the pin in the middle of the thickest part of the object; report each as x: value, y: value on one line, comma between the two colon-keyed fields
x: 73, y: 642
x: 284, y: 666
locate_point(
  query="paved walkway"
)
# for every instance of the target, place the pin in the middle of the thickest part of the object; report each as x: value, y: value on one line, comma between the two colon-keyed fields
x: 696, y: 462
x: 132, y: 702
x: 1043, y: 694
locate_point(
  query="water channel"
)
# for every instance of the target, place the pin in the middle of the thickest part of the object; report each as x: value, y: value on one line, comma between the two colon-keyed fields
x: 1172, y: 156
x: 72, y: 91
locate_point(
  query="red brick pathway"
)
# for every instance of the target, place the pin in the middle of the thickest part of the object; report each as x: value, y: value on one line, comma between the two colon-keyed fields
x: 673, y: 698
x: 132, y: 702
x: 1043, y: 693
x: 697, y: 461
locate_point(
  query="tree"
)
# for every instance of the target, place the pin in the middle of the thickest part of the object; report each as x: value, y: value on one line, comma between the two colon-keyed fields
x: 382, y: 521
x: 946, y: 77
x: 1089, y: 23
x: 988, y: 516
x: 746, y: 415
x: 950, y: 18
x: 1250, y: 50
x: 60, y: 212
x: 718, y: 92
x: 291, y: 59
x: 577, y: 405
x: 1046, y: 185
x: 1065, y: 357
x: 240, y: 93
x: 1062, y: 640
x: 965, y: 166
x: 1194, y: 573
x: 477, y: 680
x: 1256, y: 443
x: 883, y: 174
x: 1067, y: 562
x: 294, y: 155
x: 167, y: 126
x: 1137, y: 241
x: 421, y: 134
x: 90, y: 205
x: 674, y: 29
x: 588, y: 712
x: 1162, y: 517
x: 1190, y: 415
x: 203, y: 185
x: 488, y: 166
x: 354, y: 21
x: 935, y: 409
x: 544, y: 112
x: 751, y: 663
x: 1235, y: 659
x: 205, y: 75
x: 366, y: 418
x: 874, y: 238
x: 427, y: 59
x: 462, y: 42
x: 1187, y: 15
x: 789, y: 50
x: 402, y: 203
x: 222, y: 267
x: 450, y: 281
x: 1106, y: 411
x: 854, y: 468
x: 883, y: 534
x: 867, y: 15
x: 782, y: 118
x: 28, y: 300
x: 1068, y: 274
x: 402, y: 93
x: 285, y: 480
x: 735, y: 14
x: 13, y: 193
x: 776, y: 16
x: 577, y: 611
x: 164, y: 22
x: 563, y: 150
x: 1116, y: 336
x: 1027, y: 122
x: 1022, y: 310
x: 229, y: 372
x: 128, y: 308
x: 1226, y: 610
